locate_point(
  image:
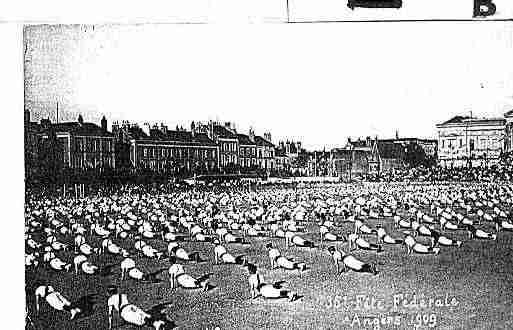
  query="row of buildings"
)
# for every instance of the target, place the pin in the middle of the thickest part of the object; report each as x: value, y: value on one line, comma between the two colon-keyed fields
x: 214, y: 147
x: 371, y: 156
x: 210, y: 147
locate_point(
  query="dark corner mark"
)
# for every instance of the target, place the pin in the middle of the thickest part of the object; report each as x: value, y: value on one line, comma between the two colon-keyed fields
x: 483, y: 8
x: 352, y: 4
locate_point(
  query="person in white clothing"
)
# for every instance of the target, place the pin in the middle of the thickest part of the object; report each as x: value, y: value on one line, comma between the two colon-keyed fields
x: 56, y: 300
x: 348, y: 261
x: 130, y: 313
x: 267, y: 291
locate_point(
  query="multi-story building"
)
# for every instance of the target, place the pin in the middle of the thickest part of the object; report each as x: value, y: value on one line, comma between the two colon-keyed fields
x: 247, y: 150
x: 347, y: 163
x: 282, y: 162
x: 291, y: 159
x: 467, y: 141
x: 169, y: 151
x: 79, y: 145
x: 367, y: 156
x: 123, y: 134
x: 265, y: 152
x: 387, y: 155
x: 428, y: 146
x: 225, y: 136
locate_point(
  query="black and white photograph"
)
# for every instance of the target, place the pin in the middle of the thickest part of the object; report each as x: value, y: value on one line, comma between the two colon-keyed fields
x: 290, y: 164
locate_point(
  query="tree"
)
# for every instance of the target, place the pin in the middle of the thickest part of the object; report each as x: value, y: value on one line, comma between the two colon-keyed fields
x: 415, y: 156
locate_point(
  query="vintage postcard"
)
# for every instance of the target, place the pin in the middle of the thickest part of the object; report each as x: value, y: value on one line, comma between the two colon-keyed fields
x: 328, y: 164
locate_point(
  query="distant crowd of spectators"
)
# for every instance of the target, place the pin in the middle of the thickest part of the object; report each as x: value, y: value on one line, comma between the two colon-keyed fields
x: 503, y: 171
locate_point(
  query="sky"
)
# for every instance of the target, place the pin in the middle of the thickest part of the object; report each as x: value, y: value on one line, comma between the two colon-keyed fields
x: 318, y: 83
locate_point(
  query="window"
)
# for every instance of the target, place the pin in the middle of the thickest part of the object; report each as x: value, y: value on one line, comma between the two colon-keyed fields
x: 443, y: 143
x: 461, y: 143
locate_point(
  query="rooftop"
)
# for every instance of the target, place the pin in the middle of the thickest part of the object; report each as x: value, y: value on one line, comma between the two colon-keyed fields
x: 467, y: 120
x: 82, y: 129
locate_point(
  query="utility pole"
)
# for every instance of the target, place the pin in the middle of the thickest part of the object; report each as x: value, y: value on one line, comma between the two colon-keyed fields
x: 469, y: 147
x: 288, y: 12
x: 351, y: 163
x: 315, y: 163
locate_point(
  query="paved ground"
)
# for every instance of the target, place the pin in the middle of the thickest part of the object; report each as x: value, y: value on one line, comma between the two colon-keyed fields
x: 473, y: 283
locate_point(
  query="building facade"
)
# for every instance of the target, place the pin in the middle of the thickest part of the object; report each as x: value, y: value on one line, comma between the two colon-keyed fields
x: 225, y: 136
x: 173, y: 152
x: 466, y: 141
x: 347, y: 163
x: 79, y: 145
x: 265, y: 152
x: 247, y: 151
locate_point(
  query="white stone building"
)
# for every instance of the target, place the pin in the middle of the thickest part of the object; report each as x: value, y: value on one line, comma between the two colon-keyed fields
x: 467, y: 141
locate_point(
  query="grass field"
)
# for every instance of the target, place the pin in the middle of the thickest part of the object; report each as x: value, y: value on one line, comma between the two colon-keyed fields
x: 476, y: 281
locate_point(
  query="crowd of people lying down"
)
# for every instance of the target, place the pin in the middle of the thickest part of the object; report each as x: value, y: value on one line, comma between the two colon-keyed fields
x: 68, y: 234
x: 495, y: 172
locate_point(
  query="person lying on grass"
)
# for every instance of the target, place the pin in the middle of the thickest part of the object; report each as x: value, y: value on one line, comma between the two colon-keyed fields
x: 268, y: 291
x: 360, y: 243
x: 132, y: 314
x: 292, y: 238
x: 349, y: 262
x: 383, y: 237
x: 414, y: 246
x: 178, y: 277
x: 221, y: 255
x: 227, y: 237
x: 55, y: 299
x: 473, y: 232
x: 360, y: 227
x: 55, y: 262
x: 180, y: 253
x: 438, y: 239
x: 326, y: 235
x: 277, y: 260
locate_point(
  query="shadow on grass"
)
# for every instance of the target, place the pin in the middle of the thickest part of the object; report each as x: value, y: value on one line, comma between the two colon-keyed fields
x: 86, y: 304
x: 157, y: 312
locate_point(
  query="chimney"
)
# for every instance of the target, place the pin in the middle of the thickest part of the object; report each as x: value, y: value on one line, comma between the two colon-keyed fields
x: 267, y: 136
x: 298, y: 146
x: 193, y: 129
x: 251, y: 134
x: 368, y: 141
x: 163, y: 128
x: 80, y: 120
x: 397, y: 134
x: 104, y: 124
